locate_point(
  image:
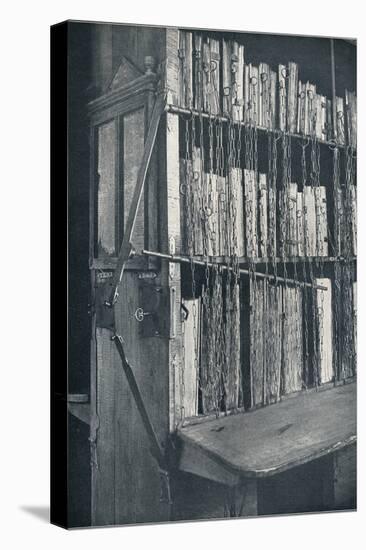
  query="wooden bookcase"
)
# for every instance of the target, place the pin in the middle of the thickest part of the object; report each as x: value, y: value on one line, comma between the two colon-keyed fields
x: 149, y: 314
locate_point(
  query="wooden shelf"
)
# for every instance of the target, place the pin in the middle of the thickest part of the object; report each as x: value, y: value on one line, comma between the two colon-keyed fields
x: 272, y: 439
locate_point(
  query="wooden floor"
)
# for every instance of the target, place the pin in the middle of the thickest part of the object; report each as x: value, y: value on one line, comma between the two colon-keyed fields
x: 273, y: 439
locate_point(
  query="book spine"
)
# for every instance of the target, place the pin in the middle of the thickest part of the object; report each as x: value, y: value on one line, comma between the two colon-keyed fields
x: 273, y: 100
x: 263, y: 209
x: 309, y: 221
x: 250, y: 198
x: 300, y: 225
x: 282, y: 98
x: 292, y: 245
x: 197, y: 73
x: 185, y: 76
x: 325, y: 335
x: 293, y: 76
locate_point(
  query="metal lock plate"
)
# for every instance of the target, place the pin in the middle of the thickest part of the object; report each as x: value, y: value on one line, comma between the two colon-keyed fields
x: 156, y: 311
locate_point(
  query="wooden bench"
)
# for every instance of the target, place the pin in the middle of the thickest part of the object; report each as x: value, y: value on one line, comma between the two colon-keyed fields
x: 241, y: 449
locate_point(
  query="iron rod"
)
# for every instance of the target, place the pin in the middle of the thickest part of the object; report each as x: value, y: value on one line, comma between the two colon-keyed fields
x: 186, y: 260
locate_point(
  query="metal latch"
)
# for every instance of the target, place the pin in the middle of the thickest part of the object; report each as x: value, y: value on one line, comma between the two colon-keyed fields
x: 157, y: 310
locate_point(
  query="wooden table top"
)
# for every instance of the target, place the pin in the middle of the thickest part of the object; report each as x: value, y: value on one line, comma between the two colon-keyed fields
x: 278, y: 437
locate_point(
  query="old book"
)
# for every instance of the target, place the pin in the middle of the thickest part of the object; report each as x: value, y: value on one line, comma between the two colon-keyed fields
x: 236, y: 219
x: 251, y: 87
x: 300, y: 126
x: 250, y: 201
x: 185, y: 183
x: 197, y: 184
x: 273, y: 357
x: 341, y: 136
x: 291, y: 237
x: 292, y: 91
x: 273, y: 100
x: 212, y: 201
x: 197, y: 72
x: 264, y: 95
x: 300, y: 225
x: 309, y: 220
x: 263, y: 215
x: 231, y: 365
x: 310, y: 108
x: 353, y: 207
x: 282, y: 98
x: 321, y: 221
x: 292, y: 359
x: 223, y: 214
x: 323, y: 114
x: 325, y: 335
x: 211, y: 75
x: 191, y: 357
x: 185, y: 73
x: 351, y: 117
x: 233, y: 79
x: 272, y: 223
x: 257, y: 364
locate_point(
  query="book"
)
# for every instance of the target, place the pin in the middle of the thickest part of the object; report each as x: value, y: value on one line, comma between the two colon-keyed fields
x: 351, y: 117
x: 292, y: 358
x: 340, y: 119
x: 223, y: 204
x: 263, y: 215
x: 185, y: 74
x: 291, y: 237
x: 321, y: 221
x: 257, y: 364
x: 264, y: 95
x: 273, y: 358
x: 251, y: 94
x: 272, y: 223
x: 273, y: 100
x: 292, y: 91
x: 233, y: 79
x: 282, y: 98
x: 197, y: 72
x: 213, y: 218
x: 300, y: 225
x: 231, y: 367
x: 211, y: 75
x: 353, y: 214
x: 236, y: 219
x: 309, y: 220
x: 301, y: 96
x: 250, y: 202
x: 325, y: 334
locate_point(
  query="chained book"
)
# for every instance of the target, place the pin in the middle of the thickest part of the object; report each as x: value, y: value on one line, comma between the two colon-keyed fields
x: 204, y: 188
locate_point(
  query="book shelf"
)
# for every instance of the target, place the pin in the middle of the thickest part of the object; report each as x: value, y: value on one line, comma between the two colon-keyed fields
x: 241, y: 293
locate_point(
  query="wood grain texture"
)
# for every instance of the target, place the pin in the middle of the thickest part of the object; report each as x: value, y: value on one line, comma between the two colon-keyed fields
x: 281, y: 436
x: 133, y: 139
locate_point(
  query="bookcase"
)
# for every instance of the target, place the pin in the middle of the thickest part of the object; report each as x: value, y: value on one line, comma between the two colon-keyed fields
x: 237, y: 309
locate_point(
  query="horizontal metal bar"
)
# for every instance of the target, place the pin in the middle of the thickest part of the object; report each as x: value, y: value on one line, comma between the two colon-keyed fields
x: 187, y: 260
x: 193, y: 112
